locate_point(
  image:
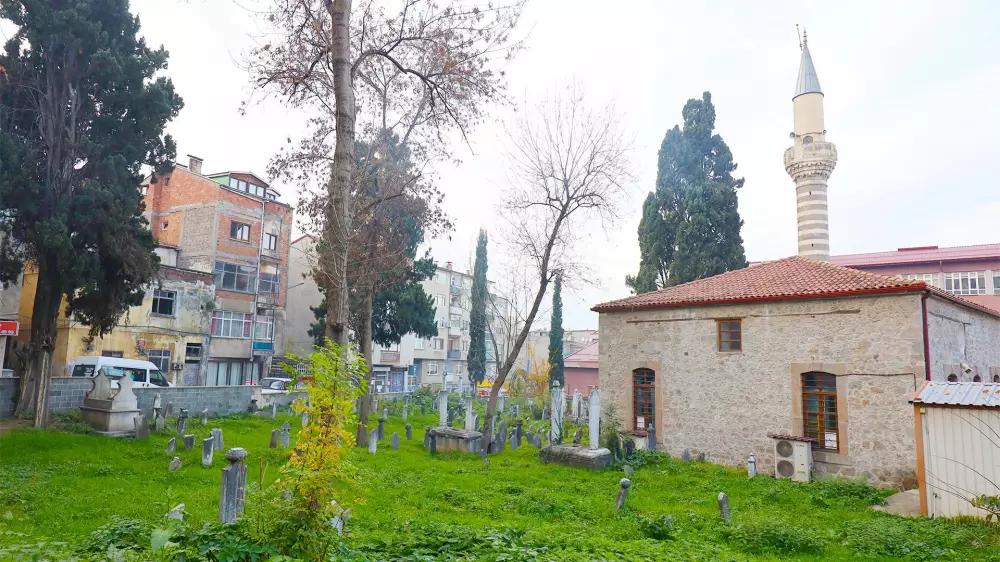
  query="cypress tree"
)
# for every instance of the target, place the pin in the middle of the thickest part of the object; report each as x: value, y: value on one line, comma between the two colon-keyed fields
x: 556, y: 337
x: 477, y: 315
x: 691, y: 223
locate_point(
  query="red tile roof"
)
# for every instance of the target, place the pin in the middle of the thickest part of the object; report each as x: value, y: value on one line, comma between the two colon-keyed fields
x: 784, y: 279
x: 920, y: 254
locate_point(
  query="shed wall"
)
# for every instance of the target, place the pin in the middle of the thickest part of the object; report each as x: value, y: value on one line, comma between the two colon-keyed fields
x: 961, y: 457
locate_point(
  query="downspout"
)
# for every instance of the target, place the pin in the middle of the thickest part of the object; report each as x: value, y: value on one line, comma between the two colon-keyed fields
x: 927, y: 343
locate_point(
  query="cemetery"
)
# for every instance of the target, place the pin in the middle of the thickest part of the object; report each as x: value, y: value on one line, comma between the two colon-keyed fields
x: 70, y: 492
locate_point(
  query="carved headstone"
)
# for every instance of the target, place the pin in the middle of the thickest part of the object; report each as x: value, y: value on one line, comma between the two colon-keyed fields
x: 380, y: 430
x: 724, y: 512
x: 233, y: 486
x: 161, y: 423
x: 141, y: 427
x: 442, y: 408
x: 556, y: 427
x: 409, y: 432
x: 188, y: 442
x: 217, y: 438
x: 594, y: 420
x: 395, y: 441
x: 373, y: 443
x: 274, y: 410
x: 623, y: 484
x: 651, y: 437
x: 171, y: 445
x: 175, y: 464
x: 207, y: 451
x: 578, y: 436
x: 204, y: 417
x: 275, y: 433
x: 470, y: 415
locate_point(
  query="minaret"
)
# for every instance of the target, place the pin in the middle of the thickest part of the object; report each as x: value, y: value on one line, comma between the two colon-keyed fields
x: 810, y: 161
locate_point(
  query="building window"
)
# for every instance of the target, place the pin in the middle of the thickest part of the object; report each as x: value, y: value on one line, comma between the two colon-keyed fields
x: 437, y: 344
x: 977, y: 378
x: 160, y: 358
x: 819, y: 410
x: 233, y: 277
x: 269, y: 282
x: 996, y: 282
x: 730, y: 335
x: 643, y: 398
x: 264, y: 329
x: 247, y: 187
x: 163, y: 302
x: 953, y: 378
x: 231, y: 372
x: 432, y: 368
x: 419, y: 343
x: 116, y: 354
x: 271, y: 242
x: 239, y: 231
x: 192, y: 353
x: 996, y: 378
x: 929, y: 278
x: 965, y: 282
x: 227, y: 324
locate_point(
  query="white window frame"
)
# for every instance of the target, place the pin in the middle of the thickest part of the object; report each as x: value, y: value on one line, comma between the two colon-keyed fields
x: 419, y: 344
x: 225, y: 323
x: 160, y: 358
x: 432, y: 368
x: 235, y: 271
x: 437, y: 344
x: 965, y: 282
x: 271, y: 242
x: 264, y: 327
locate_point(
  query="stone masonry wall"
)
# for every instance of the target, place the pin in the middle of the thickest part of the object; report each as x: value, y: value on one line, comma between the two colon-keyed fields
x: 725, y: 404
x: 959, y: 335
x: 8, y: 396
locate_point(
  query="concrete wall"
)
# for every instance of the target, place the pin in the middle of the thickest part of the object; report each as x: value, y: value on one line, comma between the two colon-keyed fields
x: 725, y: 404
x: 8, y: 396
x: 578, y: 378
x: 960, y: 335
x: 67, y: 393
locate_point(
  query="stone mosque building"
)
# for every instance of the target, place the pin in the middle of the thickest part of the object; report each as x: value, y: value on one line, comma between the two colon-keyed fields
x: 793, y: 349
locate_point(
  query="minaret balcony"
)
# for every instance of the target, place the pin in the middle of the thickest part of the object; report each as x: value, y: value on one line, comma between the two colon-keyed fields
x: 811, y: 151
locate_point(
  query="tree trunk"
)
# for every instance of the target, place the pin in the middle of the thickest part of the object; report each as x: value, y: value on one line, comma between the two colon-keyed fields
x: 337, y: 224
x: 365, y: 341
x: 34, y: 390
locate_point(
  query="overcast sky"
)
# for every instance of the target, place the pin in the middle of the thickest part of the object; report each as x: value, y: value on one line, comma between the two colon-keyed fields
x: 911, y: 103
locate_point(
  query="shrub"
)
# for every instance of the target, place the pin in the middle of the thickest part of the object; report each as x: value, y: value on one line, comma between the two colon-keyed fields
x: 774, y: 537
x: 659, y: 527
x: 838, y: 490
x: 121, y: 532
x: 70, y: 422
x: 908, y: 538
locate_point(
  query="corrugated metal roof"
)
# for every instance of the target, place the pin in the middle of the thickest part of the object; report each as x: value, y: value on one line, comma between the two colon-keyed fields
x: 959, y: 394
x: 920, y: 254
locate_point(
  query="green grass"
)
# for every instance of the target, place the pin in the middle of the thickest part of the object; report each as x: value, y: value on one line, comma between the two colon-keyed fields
x: 408, y: 504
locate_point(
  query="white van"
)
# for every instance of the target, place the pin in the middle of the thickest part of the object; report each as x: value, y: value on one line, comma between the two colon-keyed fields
x: 142, y: 373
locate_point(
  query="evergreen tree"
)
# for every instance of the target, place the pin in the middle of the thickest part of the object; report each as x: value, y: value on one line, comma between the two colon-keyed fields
x: 81, y: 112
x: 691, y: 226
x: 556, y: 336
x: 477, y: 315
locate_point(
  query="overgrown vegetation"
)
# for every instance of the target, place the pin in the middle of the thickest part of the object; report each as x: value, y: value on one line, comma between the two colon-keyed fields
x: 60, y: 494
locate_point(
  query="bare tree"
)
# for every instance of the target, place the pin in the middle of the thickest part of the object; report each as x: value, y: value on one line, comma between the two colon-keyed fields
x: 427, y: 64
x: 568, y: 163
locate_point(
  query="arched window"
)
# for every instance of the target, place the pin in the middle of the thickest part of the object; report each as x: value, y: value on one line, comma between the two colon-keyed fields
x: 977, y: 378
x: 819, y: 410
x: 996, y: 378
x: 953, y: 378
x: 643, y: 398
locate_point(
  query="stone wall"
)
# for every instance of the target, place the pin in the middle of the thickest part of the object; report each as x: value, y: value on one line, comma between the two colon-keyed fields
x: 8, y: 395
x: 724, y: 404
x: 219, y: 400
x: 67, y: 393
x: 960, y: 335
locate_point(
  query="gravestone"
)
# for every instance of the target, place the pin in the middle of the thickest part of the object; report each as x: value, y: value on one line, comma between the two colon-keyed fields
x: 274, y: 410
x: 503, y: 432
x: 188, y: 442
x: 157, y: 402
x: 515, y: 442
x: 501, y: 402
x: 518, y: 427
x: 686, y: 455
x: 575, y: 410
x: 430, y: 441
x: 110, y: 411
x: 169, y: 410
x: 385, y: 413
x: 141, y: 427
x: 175, y: 464
x: 442, y: 408
x: 171, y: 445
x: 204, y: 417
x: 253, y: 407
x: 207, y: 451
x: 373, y: 443
x: 517, y: 410
x: 177, y: 513
x: 161, y: 423
x: 406, y: 410
x: 724, y: 512
x: 395, y: 441
x: 629, y: 448
x: 305, y: 419
x: 182, y: 422
x: 423, y: 409
x: 499, y: 441
x: 623, y: 484
x: 274, y: 439
x: 217, y: 438
x: 556, y: 427
x: 285, y: 437
x: 578, y: 436
x: 427, y: 438
x: 380, y: 431
x: 233, y: 486
x: 594, y: 421
x: 545, y: 412
x: 470, y: 415
x: 409, y: 432
x: 651, y: 437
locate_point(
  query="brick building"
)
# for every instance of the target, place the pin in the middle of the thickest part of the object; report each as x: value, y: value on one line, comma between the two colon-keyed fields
x: 231, y: 225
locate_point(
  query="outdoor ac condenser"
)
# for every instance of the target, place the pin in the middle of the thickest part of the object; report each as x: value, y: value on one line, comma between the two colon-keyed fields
x: 792, y: 458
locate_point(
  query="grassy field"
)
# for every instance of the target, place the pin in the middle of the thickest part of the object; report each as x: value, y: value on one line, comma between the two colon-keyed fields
x: 409, y: 505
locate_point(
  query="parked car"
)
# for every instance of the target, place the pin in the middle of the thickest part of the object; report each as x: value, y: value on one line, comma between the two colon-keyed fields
x: 275, y: 385
x: 142, y: 373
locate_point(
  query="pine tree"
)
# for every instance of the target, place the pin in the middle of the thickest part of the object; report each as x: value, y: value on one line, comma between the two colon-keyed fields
x: 556, y: 337
x: 81, y: 112
x: 691, y: 226
x: 477, y: 315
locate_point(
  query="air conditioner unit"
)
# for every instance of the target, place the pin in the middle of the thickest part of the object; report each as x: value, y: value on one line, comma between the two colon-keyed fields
x: 176, y: 366
x: 792, y: 457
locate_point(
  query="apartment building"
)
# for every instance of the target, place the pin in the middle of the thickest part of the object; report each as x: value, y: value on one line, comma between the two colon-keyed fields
x: 973, y: 272
x: 536, y: 346
x: 232, y: 226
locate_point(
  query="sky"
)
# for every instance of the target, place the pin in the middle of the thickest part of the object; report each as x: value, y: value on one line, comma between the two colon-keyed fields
x: 910, y: 95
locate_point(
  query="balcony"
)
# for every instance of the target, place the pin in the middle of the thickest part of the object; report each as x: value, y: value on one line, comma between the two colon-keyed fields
x: 455, y: 290
x: 387, y: 356
x: 455, y: 330
x: 268, y: 300
x: 455, y: 309
x: 269, y: 254
x: 454, y: 354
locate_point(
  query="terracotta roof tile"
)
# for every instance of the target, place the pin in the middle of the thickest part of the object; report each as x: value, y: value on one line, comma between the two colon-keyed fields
x: 784, y: 279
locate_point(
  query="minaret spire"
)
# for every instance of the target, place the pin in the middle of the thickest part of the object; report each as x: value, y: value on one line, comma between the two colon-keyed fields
x: 810, y: 160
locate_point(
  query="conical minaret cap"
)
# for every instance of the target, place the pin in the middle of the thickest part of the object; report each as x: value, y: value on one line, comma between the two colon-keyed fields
x: 808, y: 82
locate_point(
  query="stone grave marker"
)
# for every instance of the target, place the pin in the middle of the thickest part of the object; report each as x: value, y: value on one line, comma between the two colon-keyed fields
x: 409, y: 432
x: 141, y: 427
x: 274, y: 410
x: 518, y: 427
x: 432, y: 440
x: 427, y: 438
x: 594, y: 422
x: 406, y: 410
x: 207, y: 451
x: 253, y: 407
x: 373, y: 443
x: 171, y: 445
x: 442, y: 408
x: 161, y: 423
x: 385, y: 413
x: 686, y: 455
x: 629, y: 448
x: 623, y: 484
x: 157, y: 402
x: 169, y: 411
x: 470, y: 415
x: 305, y: 419
x: 284, y: 437
x: 182, y: 419
x: 274, y: 438
x: 217, y: 438
x: 501, y: 403
x: 204, y: 417
x: 724, y: 512
x: 578, y: 436
x: 651, y: 437
x: 395, y: 441
x: 575, y: 409
x: 175, y: 464
x: 515, y: 442
x: 232, y: 489
x: 188, y: 442
x: 380, y: 430
x: 556, y: 427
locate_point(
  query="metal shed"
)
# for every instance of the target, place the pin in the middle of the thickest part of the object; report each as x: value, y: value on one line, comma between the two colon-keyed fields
x: 958, y: 446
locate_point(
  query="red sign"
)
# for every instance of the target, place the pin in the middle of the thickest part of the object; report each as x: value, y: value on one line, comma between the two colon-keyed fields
x: 8, y: 328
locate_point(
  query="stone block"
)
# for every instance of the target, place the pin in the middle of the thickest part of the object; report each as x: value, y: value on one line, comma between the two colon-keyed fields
x: 454, y: 439
x: 575, y: 455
